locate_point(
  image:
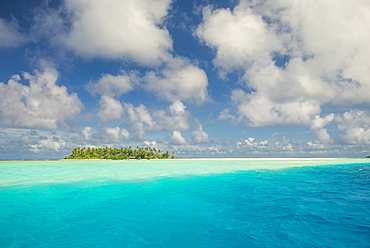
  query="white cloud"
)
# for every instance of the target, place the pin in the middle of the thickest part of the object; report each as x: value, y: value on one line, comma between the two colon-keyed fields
x: 177, y: 108
x: 48, y: 24
x: 251, y: 142
x: 293, y: 82
x: 258, y: 110
x: 199, y: 136
x: 252, y: 146
x: 125, y: 133
x: 150, y: 143
x: 315, y: 145
x: 224, y: 115
x: 239, y: 36
x: 113, y: 134
x: 333, y: 33
x: 102, y: 136
x: 42, y: 143
x: 323, y: 44
x: 282, y: 143
x: 317, y: 127
x: 113, y: 131
x: 178, y: 81
x: 139, y: 119
x: 42, y: 104
x: 177, y: 138
x: 54, y: 143
x: 131, y: 30
x: 112, y: 86
x: 115, y: 29
x: 356, y: 125
x: 175, y: 118
x: 10, y: 35
x: 110, y: 109
x: 86, y: 132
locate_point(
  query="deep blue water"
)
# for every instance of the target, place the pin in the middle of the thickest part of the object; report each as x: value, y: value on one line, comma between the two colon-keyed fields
x: 318, y: 206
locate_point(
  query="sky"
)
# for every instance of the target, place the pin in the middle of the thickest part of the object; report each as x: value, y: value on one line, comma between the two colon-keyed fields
x: 201, y: 78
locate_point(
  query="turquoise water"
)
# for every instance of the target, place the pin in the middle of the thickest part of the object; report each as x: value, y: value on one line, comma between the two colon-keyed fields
x: 185, y: 203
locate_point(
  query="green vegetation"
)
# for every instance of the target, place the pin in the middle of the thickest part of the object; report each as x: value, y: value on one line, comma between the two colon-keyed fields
x: 118, y: 154
x: 368, y: 157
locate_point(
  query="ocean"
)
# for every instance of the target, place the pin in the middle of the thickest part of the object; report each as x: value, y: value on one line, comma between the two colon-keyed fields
x: 186, y: 203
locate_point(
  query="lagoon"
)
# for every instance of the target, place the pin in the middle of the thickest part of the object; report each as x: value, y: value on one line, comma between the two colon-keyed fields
x: 185, y: 203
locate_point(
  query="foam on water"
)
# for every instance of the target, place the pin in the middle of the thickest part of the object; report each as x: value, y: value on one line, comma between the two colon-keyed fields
x: 189, y: 203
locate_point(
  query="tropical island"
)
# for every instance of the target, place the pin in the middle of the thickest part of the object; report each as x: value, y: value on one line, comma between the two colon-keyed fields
x: 119, y: 153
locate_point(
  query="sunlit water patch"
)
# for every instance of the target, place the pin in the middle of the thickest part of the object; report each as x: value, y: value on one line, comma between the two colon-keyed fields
x: 194, y: 203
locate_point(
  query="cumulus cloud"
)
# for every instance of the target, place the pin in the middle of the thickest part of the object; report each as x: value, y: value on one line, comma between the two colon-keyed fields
x: 10, y: 36
x: 42, y: 143
x: 317, y: 127
x: 42, y: 104
x: 150, y: 143
x: 282, y: 143
x: 103, y: 136
x: 140, y: 119
x: 113, y: 131
x: 125, y: 134
x: 110, y: 109
x: 48, y: 24
x: 239, y: 36
x: 252, y: 143
x: 177, y: 138
x: 111, y: 86
x: 224, y: 115
x: 53, y: 143
x: 115, y: 29
x: 175, y: 118
x: 295, y: 56
x: 178, y: 81
x: 258, y: 110
x: 199, y: 136
x: 315, y: 145
x: 356, y: 125
x: 131, y: 30
x: 87, y: 133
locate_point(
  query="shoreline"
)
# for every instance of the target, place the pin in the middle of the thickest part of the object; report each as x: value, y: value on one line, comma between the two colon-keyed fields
x: 176, y: 159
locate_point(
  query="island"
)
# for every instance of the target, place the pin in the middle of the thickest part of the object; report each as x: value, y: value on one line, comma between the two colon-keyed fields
x: 119, y: 153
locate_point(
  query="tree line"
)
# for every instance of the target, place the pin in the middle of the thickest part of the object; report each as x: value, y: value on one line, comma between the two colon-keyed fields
x: 119, y: 153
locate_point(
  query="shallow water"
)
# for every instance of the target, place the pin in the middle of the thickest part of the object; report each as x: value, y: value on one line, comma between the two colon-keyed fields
x: 195, y: 203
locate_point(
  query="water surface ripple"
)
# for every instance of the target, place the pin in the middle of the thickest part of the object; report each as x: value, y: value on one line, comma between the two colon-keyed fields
x: 206, y: 203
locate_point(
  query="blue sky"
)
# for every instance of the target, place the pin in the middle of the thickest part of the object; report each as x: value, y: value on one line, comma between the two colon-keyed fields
x: 277, y: 78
